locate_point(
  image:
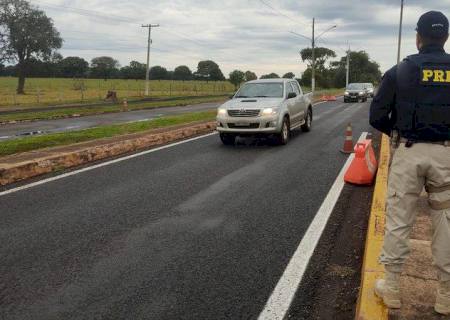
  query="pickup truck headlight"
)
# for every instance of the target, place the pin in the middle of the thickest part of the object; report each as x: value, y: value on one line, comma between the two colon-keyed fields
x: 361, y: 93
x: 221, y: 112
x: 269, y: 111
x: 346, y: 93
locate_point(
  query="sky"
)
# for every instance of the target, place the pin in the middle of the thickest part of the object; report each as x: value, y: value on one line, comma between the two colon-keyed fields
x: 251, y: 35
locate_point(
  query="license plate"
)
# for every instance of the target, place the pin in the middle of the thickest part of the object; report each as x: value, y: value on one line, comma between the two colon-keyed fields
x: 241, y: 124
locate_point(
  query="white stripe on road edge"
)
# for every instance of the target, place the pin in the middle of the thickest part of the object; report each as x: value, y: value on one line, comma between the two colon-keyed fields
x: 279, y: 302
x: 72, y: 173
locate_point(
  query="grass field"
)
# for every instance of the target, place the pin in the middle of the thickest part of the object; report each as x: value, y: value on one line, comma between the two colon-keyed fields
x: 66, y: 138
x: 52, y: 91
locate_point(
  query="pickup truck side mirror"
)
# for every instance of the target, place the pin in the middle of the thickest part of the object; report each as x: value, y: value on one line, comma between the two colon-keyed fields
x: 231, y: 97
x: 291, y: 95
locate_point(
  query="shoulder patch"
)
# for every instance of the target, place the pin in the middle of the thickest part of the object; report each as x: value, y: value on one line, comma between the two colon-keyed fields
x: 435, y: 75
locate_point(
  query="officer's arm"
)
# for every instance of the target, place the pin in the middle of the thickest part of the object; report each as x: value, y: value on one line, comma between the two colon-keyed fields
x: 383, y: 103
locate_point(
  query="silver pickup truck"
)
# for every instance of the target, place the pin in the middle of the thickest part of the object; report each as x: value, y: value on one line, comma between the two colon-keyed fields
x: 265, y: 107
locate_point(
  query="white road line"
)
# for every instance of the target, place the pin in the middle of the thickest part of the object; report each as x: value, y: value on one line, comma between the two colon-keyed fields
x: 279, y: 302
x: 72, y: 173
x: 4, y: 137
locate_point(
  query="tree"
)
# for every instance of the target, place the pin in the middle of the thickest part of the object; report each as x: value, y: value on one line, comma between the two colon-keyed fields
x: 71, y: 67
x: 182, y: 73
x: 158, y: 73
x: 237, y: 77
x: 209, y: 70
x: 104, y: 67
x: 249, y: 76
x: 26, y: 33
x: 135, y: 70
x: 270, y: 76
x: 289, y: 75
x: 321, y: 56
x: 362, y: 69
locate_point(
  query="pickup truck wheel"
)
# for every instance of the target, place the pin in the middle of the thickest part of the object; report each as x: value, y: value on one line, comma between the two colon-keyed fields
x: 282, y: 138
x: 227, y: 139
x: 308, y: 121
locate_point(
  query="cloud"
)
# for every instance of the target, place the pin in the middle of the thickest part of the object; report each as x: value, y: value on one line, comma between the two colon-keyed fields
x: 244, y: 34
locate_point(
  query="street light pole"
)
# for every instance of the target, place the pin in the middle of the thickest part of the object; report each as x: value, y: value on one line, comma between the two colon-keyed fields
x: 313, y: 53
x: 313, y: 65
x: 347, y: 74
x: 149, y: 44
x: 400, y: 33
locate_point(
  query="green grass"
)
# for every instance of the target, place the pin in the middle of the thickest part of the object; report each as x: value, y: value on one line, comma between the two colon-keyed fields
x: 59, y: 139
x: 85, y: 111
x: 57, y: 91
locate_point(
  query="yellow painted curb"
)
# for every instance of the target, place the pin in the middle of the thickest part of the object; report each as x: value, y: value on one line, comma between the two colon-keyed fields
x: 369, y: 306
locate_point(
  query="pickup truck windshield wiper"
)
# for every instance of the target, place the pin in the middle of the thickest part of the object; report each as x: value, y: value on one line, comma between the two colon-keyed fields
x: 261, y: 96
x: 241, y: 97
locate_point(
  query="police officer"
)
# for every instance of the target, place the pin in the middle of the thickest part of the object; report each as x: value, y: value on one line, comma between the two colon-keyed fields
x: 413, y: 107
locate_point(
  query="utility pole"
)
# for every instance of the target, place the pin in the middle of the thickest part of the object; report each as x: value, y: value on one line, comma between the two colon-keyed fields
x: 347, y: 75
x: 313, y: 65
x: 147, y: 75
x: 400, y: 33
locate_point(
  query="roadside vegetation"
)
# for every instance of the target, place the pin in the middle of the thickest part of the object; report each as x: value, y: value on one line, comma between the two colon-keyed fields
x: 56, y: 113
x: 65, y: 138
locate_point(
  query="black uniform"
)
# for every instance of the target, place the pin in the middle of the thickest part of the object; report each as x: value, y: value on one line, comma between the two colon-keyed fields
x: 414, y: 97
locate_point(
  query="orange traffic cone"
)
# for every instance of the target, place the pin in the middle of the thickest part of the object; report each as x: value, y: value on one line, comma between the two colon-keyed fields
x: 363, y: 168
x: 348, y: 143
x: 323, y: 98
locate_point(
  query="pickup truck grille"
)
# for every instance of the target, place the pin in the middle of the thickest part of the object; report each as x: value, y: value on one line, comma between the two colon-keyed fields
x: 244, y: 113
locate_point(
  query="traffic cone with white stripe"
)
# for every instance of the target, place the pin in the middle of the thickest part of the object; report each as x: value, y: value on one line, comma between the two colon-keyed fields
x: 348, y: 143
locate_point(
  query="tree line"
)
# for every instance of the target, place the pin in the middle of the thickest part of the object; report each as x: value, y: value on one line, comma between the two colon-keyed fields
x: 108, y: 68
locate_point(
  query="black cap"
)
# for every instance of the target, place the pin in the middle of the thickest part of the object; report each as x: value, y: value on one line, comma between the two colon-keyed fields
x: 433, y: 24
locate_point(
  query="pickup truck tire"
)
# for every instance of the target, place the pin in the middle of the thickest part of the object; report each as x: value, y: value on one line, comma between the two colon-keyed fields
x: 228, y: 139
x: 282, y: 138
x: 308, y: 121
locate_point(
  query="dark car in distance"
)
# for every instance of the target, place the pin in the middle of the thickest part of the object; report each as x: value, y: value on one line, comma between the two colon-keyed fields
x: 356, y: 92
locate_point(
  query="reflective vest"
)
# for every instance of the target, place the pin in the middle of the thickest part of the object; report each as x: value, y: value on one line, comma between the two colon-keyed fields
x: 422, y: 110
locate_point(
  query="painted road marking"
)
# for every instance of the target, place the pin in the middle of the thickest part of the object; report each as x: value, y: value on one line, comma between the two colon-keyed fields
x: 5, y: 137
x: 282, y: 296
x: 72, y: 173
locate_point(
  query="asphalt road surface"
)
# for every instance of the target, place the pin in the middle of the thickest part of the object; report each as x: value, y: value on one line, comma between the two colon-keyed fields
x: 194, y: 231
x: 11, y: 131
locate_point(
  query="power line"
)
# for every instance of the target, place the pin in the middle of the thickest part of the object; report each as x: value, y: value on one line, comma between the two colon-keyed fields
x: 281, y: 13
x: 86, y: 12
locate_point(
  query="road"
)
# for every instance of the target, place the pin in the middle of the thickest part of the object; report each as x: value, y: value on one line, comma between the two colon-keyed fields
x: 193, y: 231
x: 11, y: 131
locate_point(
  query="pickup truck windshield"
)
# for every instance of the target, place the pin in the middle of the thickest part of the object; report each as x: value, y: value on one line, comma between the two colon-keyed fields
x: 355, y: 86
x: 261, y: 90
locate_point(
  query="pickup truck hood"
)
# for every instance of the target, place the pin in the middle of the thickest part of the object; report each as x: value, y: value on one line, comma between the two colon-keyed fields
x: 249, y: 103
